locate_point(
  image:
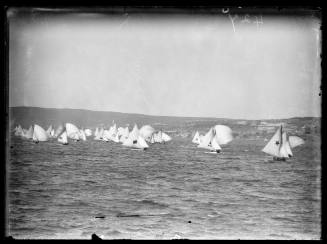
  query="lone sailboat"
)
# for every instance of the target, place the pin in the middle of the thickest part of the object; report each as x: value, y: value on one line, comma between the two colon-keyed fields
x: 280, y: 145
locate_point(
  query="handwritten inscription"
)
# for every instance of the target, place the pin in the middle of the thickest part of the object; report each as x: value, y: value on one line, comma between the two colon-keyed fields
x: 245, y: 19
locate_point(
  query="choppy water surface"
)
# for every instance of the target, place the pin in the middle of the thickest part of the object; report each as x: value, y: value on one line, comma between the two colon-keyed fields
x: 172, y: 190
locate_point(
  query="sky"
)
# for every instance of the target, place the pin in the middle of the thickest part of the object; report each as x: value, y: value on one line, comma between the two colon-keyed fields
x: 220, y: 65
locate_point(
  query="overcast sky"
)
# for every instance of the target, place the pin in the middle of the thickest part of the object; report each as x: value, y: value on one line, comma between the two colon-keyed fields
x: 180, y: 65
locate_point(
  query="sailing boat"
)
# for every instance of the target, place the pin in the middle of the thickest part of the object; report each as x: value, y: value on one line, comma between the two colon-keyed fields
x: 39, y: 134
x: 49, y: 131
x: 82, y: 135
x: 280, y: 145
x: 196, y: 139
x: 146, y: 132
x: 58, y: 131
x: 216, y: 136
x: 63, y: 138
x: 135, y: 140
x: 19, y: 131
x: 165, y: 137
x: 124, y: 134
x: 72, y: 131
x: 29, y: 133
x: 88, y: 132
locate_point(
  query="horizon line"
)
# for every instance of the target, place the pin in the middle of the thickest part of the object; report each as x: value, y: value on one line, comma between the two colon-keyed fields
x: 103, y: 111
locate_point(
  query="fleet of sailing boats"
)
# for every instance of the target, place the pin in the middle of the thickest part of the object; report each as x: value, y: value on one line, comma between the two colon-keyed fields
x: 136, y: 139
x: 279, y: 146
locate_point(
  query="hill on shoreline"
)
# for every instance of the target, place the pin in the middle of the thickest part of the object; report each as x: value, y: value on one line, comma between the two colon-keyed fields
x: 26, y: 116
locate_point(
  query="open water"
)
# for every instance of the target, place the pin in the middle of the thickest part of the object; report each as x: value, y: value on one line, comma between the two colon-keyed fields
x: 169, y: 191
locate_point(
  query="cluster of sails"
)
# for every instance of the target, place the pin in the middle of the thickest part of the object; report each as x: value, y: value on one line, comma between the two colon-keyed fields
x: 279, y: 146
x: 137, y: 138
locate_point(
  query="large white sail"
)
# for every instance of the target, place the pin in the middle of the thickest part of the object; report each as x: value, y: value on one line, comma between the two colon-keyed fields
x: 72, y: 131
x: 295, y: 141
x: 275, y: 143
x: 223, y: 134
x: 63, y: 138
x: 39, y: 134
x: 206, y: 140
x: 146, y: 132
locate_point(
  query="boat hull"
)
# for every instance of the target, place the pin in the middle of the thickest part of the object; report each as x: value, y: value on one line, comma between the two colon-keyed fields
x: 279, y: 159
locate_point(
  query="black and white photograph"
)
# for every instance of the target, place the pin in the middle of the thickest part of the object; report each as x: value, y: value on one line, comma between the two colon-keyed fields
x: 163, y: 123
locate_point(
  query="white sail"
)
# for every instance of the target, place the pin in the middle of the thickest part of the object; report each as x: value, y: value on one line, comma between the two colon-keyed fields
x: 52, y: 133
x: 165, y: 137
x: 214, y: 144
x: 135, y: 140
x: 152, y: 139
x: 115, y: 138
x: 295, y: 141
x: 59, y: 130
x: 82, y: 135
x: 39, y: 134
x: 209, y: 141
x: 101, y: 132
x: 275, y: 143
x: 125, y: 135
x: 19, y: 131
x: 206, y: 140
x: 223, y: 134
x: 29, y: 133
x: 88, y: 132
x: 96, y: 133
x: 158, y: 137
x: 141, y: 143
x: 128, y: 142
x: 134, y: 134
x: 285, y: 150
x: 63, y: 138
x: 196, y: 138
x: 72, y: 131
x: 146, y: 132
x: 106, y: 135
x: 49, y: 131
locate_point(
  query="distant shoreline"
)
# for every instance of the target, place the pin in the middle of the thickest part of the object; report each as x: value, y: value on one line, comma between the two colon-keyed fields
x: 161, y: 116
